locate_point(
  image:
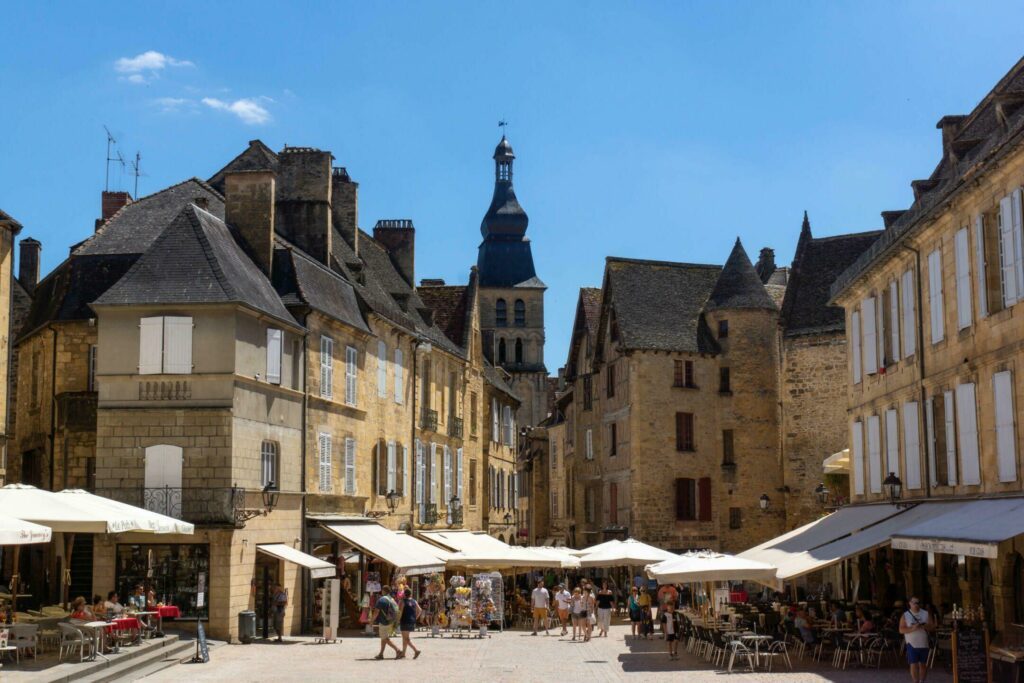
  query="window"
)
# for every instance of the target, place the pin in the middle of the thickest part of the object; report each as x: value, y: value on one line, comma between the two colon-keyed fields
x: 162, y: 476
x: 894, y: 322
x: 892, y: 443
x: 448, y: 472
x: 979, y: 264
x: 589, y: 505
x: 421, y: 476
x: 297, y: 373
x: 1011, y: 258
x: 495, y: 433
x: 554, y: 454
x: 325, y: 462
x: 874, y: 454
x: 399, y: 376
x: 684, y: 432
x: 433, y: 473
x: 507, y: 427
x: 855, y: 343
x: 588, y: 392
x: 326, y: 367
x: 428, y: 395
x: 500, y: 313
x: 520, y: 313
x: 387, y: 467
x: 723, y: 329
x: 940, y: 427
x: 472, y: 481
x: 382, y: 369
x: 269, y: 464
x: 554, y: 504
x: 728, y: 455
x: 723, y: 381
x: 1006, y: 447
x: 935, y: 304
x: 679, y: 374
x: 350, y: 466
x: 909, y: 315
x: 502, y: 351
x: 92, y: 368
x: 870, y: 347
x: 519, y: 351
x: 911, y: 445
x: 404, y: 472
x: 612, y: 439
x: 473, y: 416
x: 693, y: 499
x: 351, y: 378
x: 458, y: 474
x: 964, y: 313
x: 609, y: 374
x: 275, y: 348
x: 857, y: 439
x: 589, y: 445
x: 165, y: 345
x: 735, y: 518
x: 967, y: 431
x: 613, y: 503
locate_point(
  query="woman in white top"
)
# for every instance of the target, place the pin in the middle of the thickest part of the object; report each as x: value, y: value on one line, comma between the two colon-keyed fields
x: 579, y: 612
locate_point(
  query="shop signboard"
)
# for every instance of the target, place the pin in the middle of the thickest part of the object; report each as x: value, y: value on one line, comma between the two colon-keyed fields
x: 947, y: 547
x: 970, y: 654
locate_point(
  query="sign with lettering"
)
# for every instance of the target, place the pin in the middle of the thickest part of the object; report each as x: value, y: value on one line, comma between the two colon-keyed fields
x: 970, y: 655
x: 936, y: 545
x: 202, y: 648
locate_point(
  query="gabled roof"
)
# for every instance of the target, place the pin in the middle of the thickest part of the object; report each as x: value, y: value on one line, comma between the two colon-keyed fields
x: 302, y: 281
x: 738, y: 285
x: 196, y: 261
x: 256, y: 157
x: 588, y: 313
x: 135, y: 226
x: 658, y: 304
x: 450, y: 305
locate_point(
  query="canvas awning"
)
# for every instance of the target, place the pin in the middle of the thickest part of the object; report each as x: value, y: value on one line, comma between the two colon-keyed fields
x: 567, y: 559
x: 147, y: 520
x: 698, y: 567
x: 631, y: 553
x: 974, y: 528
x: 465, y: 541
x: 318, y: 569
x: 65, y: 514
x: 837, y: 463
x: 15, y: 531
x: 409, y: 555
x: 511, y: 557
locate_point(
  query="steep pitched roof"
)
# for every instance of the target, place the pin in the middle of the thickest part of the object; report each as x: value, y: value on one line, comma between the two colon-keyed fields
x: 449, y: 305
x: 135, y: 226
x: 302, y: 281
x: 658, y: 304
x: 738, y: 284
x: 256, y: 157
x: 588, y: 314
x: 195, y: 261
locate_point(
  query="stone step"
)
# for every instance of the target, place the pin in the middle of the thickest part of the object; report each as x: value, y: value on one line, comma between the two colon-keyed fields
x: 124, y: 669
x: 126, y: 660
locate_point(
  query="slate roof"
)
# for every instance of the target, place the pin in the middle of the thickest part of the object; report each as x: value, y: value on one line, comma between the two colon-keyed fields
x: 450, y: 305
x: 195, y: 261
x: 588, y: 314
x: 738, y: 284
x: 496, y: 378
x: 992, y: 130
x: 135, y: 226
x: 658, y: 304
x: 256, y: 157
x: 302, y: 281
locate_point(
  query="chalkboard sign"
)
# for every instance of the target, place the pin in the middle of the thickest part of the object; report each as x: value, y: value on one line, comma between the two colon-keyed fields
x: 970, y: 655
x: 202, y: 649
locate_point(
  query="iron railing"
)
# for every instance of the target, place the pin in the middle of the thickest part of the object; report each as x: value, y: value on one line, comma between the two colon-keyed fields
x: 455, y: 427
x: 455, y: 516
x: 428, y: 420
x: 428, y: 513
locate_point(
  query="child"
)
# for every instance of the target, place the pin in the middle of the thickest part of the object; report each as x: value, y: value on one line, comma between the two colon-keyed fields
x: 670, y: 621
x: 646, y: 622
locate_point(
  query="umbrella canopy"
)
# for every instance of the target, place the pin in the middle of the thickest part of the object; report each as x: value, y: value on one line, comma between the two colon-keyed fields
x: 146, y: 520
x: 697, y: 567
x: 15, y: 531
x: 508, y: 558
x: 596, y: 548
x: 62, y: 513
x: 630, y: 552
x: 563, y: 555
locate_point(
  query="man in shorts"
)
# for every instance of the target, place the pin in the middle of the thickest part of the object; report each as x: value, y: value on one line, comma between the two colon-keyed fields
x: 540, y: 601
x: 385, y: 616
x: 562, y: 600
x: 915, y: 625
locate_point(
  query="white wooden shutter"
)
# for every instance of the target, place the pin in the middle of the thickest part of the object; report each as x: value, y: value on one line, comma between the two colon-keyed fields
x: 1018, y: 240
x: 894, y: 319
x: 590, y: 444
x: 507, y: 424
x: 351, y: 365
x: 869, y: 320
x: 929, y: 437
x: 874, y: 454
x: 433, y: 473
x: 495, y: 433
x: 458, y: 473
x: 163, y: 467
x: 151, y: 346
x: 855, y: 339
x: 325, y: 462
x: 911, y: 445
x: 892, y: 443
x: 350, y: 466
x: 447, y: 475
x: 399, y: 376
x: 326, y: 367
x: 177, y: 345
x: 1006, y: 439
x: 949, y: 406
x: 392, y: 481
x: 274, y: 356
x: 979, y: 265
x: 967, y: 429
x: 857, y: 434
x: 964, y: 313
x: 420, y: 472
x: 935, y: 307
x: 1007, y: 251
x: 909, y: 315
x: 515, y: 489
x: 382, y: 369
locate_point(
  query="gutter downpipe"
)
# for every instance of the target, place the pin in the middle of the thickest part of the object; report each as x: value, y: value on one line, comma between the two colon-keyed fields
x: 920, y: 363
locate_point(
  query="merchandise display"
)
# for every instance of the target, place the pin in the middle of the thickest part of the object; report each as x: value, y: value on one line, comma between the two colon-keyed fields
x: 460, y: 613
x: 488, y: 599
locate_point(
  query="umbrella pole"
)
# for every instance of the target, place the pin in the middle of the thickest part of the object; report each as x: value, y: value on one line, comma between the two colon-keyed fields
x: 15, y: 581
x: 69, y: 544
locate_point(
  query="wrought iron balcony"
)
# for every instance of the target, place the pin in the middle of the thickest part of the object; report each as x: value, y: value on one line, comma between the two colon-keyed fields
x: 428, y: 513
x: 196, y: 505
x: 428, y: 420
x: 455, y: 427
x: 455, y: 516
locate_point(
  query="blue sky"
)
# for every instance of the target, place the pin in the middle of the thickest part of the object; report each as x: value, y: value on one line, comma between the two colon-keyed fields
x: 642, y: 129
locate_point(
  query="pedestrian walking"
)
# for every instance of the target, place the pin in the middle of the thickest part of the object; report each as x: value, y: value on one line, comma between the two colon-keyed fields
x: 385, y: 616
x: 579, y: 613
x: 670, y: 621
x: 915, y: 626
x: 541, y: 602
x: 635, y: 613
x: 591, y: 610
x: 562, y: 600
x: 605, y: 602
x: 407, y: 623
x: 280, y: 604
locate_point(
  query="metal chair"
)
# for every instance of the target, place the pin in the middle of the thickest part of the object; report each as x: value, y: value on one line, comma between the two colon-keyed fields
x: 72, y: 638
x: 777, y: 648
x: 737, y: 648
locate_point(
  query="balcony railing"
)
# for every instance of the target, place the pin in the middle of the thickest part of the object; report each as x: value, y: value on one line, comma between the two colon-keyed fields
x: 428, y: 420
x: 455, y: 516
x: 197, y: 505
x: 455, y: 427
x: 428, y: 513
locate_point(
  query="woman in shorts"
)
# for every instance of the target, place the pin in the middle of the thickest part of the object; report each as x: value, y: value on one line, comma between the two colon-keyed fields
x: 579, y: 613
x: 407, y: 623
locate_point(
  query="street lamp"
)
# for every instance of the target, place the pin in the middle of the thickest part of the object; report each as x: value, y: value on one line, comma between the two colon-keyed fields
x: 765, y: 502
x: 392, y: 500
x: 270, y: 495
x: 894, y: 488
x: 822, y: 492
x: 508, y: 519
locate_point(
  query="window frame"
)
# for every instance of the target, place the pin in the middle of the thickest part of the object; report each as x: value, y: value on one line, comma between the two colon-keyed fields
x: 270, y: 463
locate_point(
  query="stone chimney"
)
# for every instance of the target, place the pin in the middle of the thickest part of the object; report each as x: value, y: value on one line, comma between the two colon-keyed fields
x: 345, y: 206
x: 28, y: 263
x: 398, y: 236
x: 112, y: 202
x: 765, y: 264
x: 249, y: 210
x: 950, y: 126
x: 303, y: 200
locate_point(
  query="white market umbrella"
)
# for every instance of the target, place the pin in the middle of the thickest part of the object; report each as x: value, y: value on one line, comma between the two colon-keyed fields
x: 700, y: 567
x: 64, y: 513
x: 15, y: 531
x: 564, y: 555
x: 146, y: 520
x: 628, y: 553
x: 508, y: 558
x: 595, y: 548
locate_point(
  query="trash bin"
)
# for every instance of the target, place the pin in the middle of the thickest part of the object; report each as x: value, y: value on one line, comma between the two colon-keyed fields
x: 247, y: 626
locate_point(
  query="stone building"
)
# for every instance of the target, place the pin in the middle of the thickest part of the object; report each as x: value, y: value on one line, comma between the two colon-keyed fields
x: 10, y: 302
x: 933, y: 330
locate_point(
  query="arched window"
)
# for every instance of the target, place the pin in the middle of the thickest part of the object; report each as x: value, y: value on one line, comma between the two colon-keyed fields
x: 269, y: 465
x: 501, y: 351
x: 519, y: 351
x: 500, y: 313
x: 520, y: 311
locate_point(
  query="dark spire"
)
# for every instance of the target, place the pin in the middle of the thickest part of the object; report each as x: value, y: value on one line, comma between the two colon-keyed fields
x: 738, y: 285
x: 505, y: 217
x: 505, y: 259
x: 806, y: 227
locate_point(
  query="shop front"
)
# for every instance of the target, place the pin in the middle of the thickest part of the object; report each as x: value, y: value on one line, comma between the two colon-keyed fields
x: 177, y: 573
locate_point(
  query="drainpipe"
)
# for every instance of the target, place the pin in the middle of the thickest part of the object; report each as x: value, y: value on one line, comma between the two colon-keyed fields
x: 920, y: 363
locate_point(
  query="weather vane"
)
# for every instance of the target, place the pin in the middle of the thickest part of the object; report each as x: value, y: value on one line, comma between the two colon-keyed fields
x: 503, y: 124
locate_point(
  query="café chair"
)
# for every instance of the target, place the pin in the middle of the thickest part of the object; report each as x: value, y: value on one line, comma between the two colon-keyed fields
x: 5, y: 647
x: 739, y: 649
x: 25, y: 637
x: 72, y: 639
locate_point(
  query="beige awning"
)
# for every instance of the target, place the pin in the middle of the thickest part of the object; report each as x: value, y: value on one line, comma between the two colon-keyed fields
x: 318, y: 569
x: 409, y: 555
x: 471, y: 542
x: 974, y: 528
x: 15, y: 531
x: 628, y: 553
x: 837, y: 463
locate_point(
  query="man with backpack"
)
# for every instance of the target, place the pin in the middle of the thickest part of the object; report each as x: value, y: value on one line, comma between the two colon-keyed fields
x: 915, y: 626
x: 385, y: 616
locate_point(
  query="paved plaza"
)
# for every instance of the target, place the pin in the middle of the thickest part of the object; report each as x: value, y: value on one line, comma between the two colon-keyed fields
x: 512, y: 656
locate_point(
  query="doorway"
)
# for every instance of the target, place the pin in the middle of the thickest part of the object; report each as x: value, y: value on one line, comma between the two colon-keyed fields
x: 267, y: 573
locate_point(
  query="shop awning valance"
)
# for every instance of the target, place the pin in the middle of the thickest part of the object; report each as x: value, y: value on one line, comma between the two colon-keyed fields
x: 973, y: 528
x: 699, y: 567
x: 409, y: 555
x: 19, y: 532
x: 318, y: 569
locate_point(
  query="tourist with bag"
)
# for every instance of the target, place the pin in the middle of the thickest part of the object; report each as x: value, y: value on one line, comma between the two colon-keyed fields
x: 385, y: 616
x: 915, y: 626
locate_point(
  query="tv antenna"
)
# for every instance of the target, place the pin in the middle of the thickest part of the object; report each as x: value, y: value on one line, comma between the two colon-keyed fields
x: 137, y: 171
x: 110, y: 141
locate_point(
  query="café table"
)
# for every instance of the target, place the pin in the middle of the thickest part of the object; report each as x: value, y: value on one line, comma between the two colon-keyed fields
x: 756, y: 640
x: 166, y: 612
x: 99, y: 631
x: 145, y: 621
x: 128, y: 624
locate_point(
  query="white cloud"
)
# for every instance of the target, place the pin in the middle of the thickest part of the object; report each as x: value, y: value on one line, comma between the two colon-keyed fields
x: 137, y: 79
x: 248, y: 109
x: 146, y: 66
x: 173, y: 104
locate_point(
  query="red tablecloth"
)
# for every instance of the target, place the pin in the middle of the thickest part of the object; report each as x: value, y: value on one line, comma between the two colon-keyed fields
x: 169, y: 612
x: 127, y: 624
x: 738, y: 596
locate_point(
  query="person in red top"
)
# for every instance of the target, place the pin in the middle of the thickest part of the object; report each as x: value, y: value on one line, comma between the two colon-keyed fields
x: 79, y: 610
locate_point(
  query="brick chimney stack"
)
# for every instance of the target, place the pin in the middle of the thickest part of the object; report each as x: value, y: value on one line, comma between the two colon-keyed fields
x: 345, y: 206
x: 28, y: 263
x: 303, y: 204
x: 399, y: 237
x: 112, y: 203
x: 249, y: 208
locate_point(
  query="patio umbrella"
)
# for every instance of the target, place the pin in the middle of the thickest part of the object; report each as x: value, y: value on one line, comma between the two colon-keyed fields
x: 14, y: 531
x: 563, y: 555
x: 698, y: 567
x: 511, y: 557
x: 595, y: 548
x: 64, y: 513
x: 628, y: 553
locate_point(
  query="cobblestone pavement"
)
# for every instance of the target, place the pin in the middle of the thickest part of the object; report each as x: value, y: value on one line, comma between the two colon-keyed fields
x: 513, y: 656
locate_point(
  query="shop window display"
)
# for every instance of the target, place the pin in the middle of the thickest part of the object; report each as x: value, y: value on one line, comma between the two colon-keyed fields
x: 179, y: 574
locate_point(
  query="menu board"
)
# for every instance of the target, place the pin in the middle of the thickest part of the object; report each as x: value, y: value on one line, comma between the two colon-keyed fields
x: 970, y: 655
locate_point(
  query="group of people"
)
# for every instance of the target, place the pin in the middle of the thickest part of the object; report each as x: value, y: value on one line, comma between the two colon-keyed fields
x: 397, y: 613
x: 139, y: 601
x: 584, y: 608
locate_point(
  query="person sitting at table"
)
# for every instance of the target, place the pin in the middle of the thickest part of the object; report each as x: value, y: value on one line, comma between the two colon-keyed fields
x: 866, y: 625
x: 803, y: 625
x: 113, y: 605
x: 99, y: 610
x: 151, y: 603
x: 137, y: 600
x: 79, y: 610
x: 838, y: 615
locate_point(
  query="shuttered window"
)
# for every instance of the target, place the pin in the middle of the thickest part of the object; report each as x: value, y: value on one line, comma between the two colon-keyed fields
x: 949, y: 437
x: 351, y: 377
x: 909, y: 314
x: 857, y: 439
x: 392, y: 482
x: 869, y: 321
x: 704, y: 495
x: 931, y: 436
x: 165, y: 345
x: 1006, y: 440
x: 964, y: 313
x: 151, y: 346
x: 420, y: 473
x: 472, y: 481
x: 1018, y: 240
x: 326, y: 367
x: 380, y: 468
x: 325, y: 462
x: 350, y: 466
x: 892, y: 443
x: 874, y: 454
x: 589, y: 445
x: 911, y: 445
x: 935, y: 305
x: 382, y: 369
x: 894, y: 321
x: 269, y: 465
x: 684, y: 432
x: 274, y: 348
x: 433, y: 473
x: 447, y: 475
x: 967, y: 430
x: 404, y: 473
x: 495, y: 432
x: 399, y: 376
x: 686, y: 499
x: 855, y: 346
x: 458, y: 474
x: 979, y: 265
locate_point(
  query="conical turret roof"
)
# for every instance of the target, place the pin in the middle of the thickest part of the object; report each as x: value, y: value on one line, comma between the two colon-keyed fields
x: 738, y: 285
